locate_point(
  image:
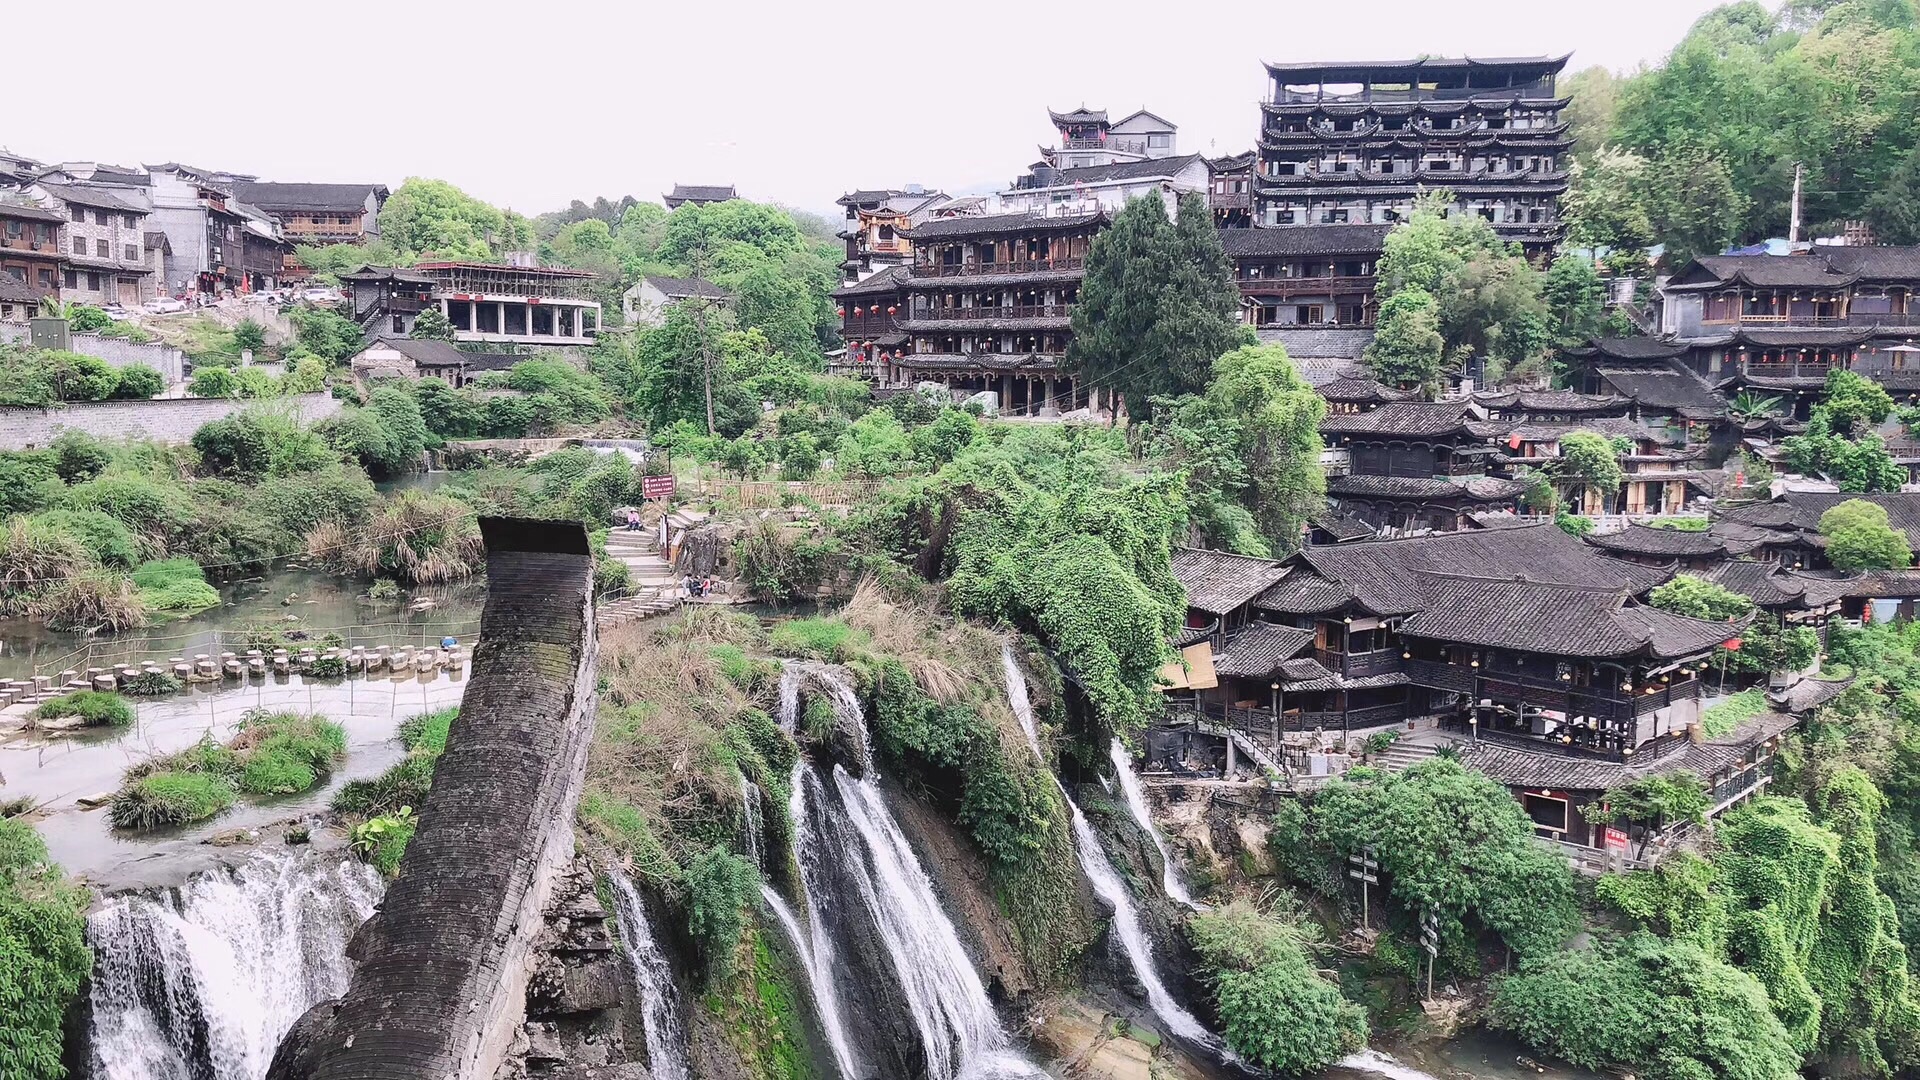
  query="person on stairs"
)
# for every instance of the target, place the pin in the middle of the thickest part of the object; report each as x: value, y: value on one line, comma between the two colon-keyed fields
x: 633, y: 519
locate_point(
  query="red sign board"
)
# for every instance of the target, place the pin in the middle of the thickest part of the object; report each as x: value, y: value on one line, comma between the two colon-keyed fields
x: 1615, y: 839
x: 656, y: 487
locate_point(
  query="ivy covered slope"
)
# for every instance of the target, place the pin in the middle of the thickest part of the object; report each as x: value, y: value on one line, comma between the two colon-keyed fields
x: 44, y: 960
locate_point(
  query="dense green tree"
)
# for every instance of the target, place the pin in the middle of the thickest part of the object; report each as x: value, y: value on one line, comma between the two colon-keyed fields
x: 432, y: 217
x: 214, y: 382
x: 44, y: 959
x: 1698, y: 598
x: 1408, y: 349
x: 1575, y: 298
x: 1593, y: 95
x: 1587, y: 462
x: 699, y: 232
x: 432, y: 325
x: 1158, y: 304
x: 1859, y: 538
x: 138, y: 381
x: 1894, y: 209
x: 1278, y: 1012
x: 326, y: 333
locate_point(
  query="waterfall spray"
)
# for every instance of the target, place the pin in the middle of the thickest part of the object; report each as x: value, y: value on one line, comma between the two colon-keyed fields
x: 1137, y: 806
x: 659, y: 1011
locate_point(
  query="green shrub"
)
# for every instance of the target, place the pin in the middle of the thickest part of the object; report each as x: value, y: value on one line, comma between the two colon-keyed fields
x: 78, y: 456
x: 174, y: 585
x: 818, y: 639
x: 150, y: 684
x: 214, y: 382
x: 138, y: 381
x: 383, y: 840
x: 110, y: 542
x: 96, y: 708
x: 44, y: 959
x: 404, y: 784
x: 270, y: 772
x: 721, y: 889
x: 1276, y: 1011
x: 170, y: 798
x: 427, y: 732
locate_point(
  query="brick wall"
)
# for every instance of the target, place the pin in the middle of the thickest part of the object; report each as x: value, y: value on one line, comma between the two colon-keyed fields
x: 440, y: 990
x: 169, y: 420
x: 117, y: 352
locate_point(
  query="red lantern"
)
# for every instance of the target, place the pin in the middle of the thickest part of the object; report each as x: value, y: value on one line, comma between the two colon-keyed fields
x: 891, y: 309
x: 842, y: 312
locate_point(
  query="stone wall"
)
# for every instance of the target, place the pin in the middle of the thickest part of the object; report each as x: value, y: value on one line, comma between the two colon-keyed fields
x: 441, y: 987
x: 169, y: 420
x: 117, y: 352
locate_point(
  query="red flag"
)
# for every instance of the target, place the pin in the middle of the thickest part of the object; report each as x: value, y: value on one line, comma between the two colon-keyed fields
x: 1732, y: 645
x: 1513, y: 442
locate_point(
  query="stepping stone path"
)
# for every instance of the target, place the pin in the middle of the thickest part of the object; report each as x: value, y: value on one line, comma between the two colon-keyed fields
x: 654, y: 587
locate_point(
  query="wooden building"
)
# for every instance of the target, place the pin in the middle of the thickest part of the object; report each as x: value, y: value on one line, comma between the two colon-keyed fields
x: 1300, y: 275
x: 989, y: 308
x: 1413, y: 465
x: 318, y: 213
x: 30, y: 251
x: 870, y: 313
x: 1230, y: 191
x: 1354, y: 144
x: 877, y: 225
x: 698, y: 195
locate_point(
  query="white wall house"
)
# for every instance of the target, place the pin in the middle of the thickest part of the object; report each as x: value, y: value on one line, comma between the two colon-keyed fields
x: 648, y: 300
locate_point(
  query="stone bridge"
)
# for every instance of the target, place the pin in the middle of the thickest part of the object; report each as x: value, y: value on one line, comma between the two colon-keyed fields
x: 440, y: 990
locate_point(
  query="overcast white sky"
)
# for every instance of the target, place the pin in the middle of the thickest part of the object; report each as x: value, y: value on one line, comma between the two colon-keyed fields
x: 529, y: 105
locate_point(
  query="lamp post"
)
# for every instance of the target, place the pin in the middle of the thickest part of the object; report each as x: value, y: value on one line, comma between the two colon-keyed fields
x: 1276, y: 717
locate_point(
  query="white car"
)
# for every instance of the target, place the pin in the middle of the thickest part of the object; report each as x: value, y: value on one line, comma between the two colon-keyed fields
x: 165, y: 305
x: 117, y: 313
x: 320, y: 296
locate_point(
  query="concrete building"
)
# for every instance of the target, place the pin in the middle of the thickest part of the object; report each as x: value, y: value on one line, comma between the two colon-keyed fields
x: 390, y: 357
x: 485, y: 302
x: 105, y: 239
x: 318, y: 213
x: 1088, y: 138
x: 1097, y: 188
x: 877, y: 224
x: 202, y: 229
x: 647, y: 302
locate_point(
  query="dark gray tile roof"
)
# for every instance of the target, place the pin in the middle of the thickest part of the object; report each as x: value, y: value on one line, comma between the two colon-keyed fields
x: 1765, y: 271
x: 1257, y: 651
x: 891, y: 280
x: 1363, y: 390
x: 1638, y: 539
x: 1568, y: 401
x: 1284, y: 240
x: 1081, y: 115
x: 1484, y: 488
x: 1566, y: 620
x: 103, y: 198
x: 1303, y: 343
x: 1416, y: 418
x: 282, y: 198
x: 15, y: 291
x: 1125, y: 170
x: 28, y: 213
x: 1218, y: 582
x: 1809, y: 694
x: 1664, y: 388
x: 1764, y: 583
x: 480, y: 361
x: 1379, y: 573
x: 1877, y: 263
x: 423, y: 350
x: 703, y: 192
x: 940, y: 228
x: 1303, y: 592
x: 1631, y: 348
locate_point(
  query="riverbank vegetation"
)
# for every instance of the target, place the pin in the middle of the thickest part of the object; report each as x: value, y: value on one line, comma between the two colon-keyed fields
x: 44, y: 959
x: 380, y: 811
x: 270, y: 753
x: 89, y: 708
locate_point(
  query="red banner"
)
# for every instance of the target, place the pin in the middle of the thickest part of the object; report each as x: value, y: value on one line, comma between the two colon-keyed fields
x: 1615, y: 839
x: 1732, y: 644
x: 656, y: 487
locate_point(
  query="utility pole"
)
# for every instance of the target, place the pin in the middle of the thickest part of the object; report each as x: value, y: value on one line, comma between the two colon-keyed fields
x: 1793, y: 227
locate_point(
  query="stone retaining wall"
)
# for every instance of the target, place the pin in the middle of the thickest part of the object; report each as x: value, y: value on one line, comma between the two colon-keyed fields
x: 117, y: 352
x: 167, y: 420
x: 441, y: 986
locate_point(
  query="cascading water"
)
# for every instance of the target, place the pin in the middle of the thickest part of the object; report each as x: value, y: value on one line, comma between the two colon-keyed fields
x: 960, y: 1035
x: 1137, y: 805
x: 1106, y: 882
x: 200, y: 983
x: 750, y: 810
x: 816, y: 955
x: 1379, y: 1064
x: 660, y: 1013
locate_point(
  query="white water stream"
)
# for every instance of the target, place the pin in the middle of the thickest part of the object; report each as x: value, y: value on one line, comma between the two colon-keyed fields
x: 659, y: 1011
x: 202, y: 982
x: 1136, y: 798
x: 1106, y: 882
x: 960, y: 1034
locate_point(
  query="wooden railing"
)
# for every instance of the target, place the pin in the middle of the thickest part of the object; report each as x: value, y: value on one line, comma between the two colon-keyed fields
x: 1304, y: 285
x: 1024, y: 266
x: 1362, y: 664
x: 1010, y: 311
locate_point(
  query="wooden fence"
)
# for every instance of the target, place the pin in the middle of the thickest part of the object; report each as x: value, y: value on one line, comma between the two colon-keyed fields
x: 774, y: 494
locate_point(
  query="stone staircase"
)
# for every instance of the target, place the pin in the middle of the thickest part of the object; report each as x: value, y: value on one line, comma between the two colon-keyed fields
x: 1401, y: 755
x: 653, y: 586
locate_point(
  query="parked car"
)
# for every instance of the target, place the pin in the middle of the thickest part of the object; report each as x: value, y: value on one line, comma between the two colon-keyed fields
x: 319, y: 295
x: 165, y: 305
x: 117, y: 313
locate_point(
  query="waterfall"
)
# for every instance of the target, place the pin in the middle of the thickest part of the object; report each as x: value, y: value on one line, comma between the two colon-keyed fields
x: 1379, y: 1064
x: 1106, y: 882
x: 959, y: 1033
x: 659, y: 1011
x: 201, y: 983
x: 750, y: 812
x: 1137, y: 805
x: 816, y: 955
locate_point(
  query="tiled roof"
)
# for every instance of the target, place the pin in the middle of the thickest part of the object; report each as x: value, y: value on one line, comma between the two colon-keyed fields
x: 1555, y: 430
x: 703, y: 192
x: 1003, y: 223
x: 28, y: 213
x: 1567, y: 401
x: 1566, y: 620
x: 1664, y: 388
x: 1303, y: 592
x: 1303, y: 343
x: 1877, y: 263
x: 15, y: 291
x: 1218, y: 582
x: 1342, y: 527
x: 336, y: 198
x: 890, y: 280
x: 1364, y: 390
x: 1482, y: 488
x: 81, y: 195
x: 1415, y: 418
x: 1257, y: 651
x: 1638, y: 539
x: 1081, y: 115
x: 1379, y: 573
x: 1764, y: 583
x: 1764, y: 271
x: 422, y: 350
x: 1305, y: 240
x: 1124, y: 170
x: 1801, y: 510
x: 1631, y: 348
x: 1809, y: 694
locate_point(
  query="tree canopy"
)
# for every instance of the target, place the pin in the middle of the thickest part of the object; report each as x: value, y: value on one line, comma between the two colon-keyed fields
x: 1859, y: 538
x: 434, y: 218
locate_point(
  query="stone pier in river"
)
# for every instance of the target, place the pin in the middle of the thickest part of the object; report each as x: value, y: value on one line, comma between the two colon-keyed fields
x: 441, y: 985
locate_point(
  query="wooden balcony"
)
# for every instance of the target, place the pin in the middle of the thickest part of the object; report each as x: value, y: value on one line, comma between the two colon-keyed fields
x: 407, y: 305
x: 1012, y: 311
x: 1232, y: 200
x: 864, y: 326
x: 1360, y: 665
x: 1304, y: 286
x: 1886, y: 318
x: 1027, y: 266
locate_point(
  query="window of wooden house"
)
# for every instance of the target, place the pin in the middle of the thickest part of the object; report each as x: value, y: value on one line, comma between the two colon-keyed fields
x: 1546, y: 811
x: 46, y: 277
x: 128, y: 221
x: 73, y: 279
x: 103, y: 249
